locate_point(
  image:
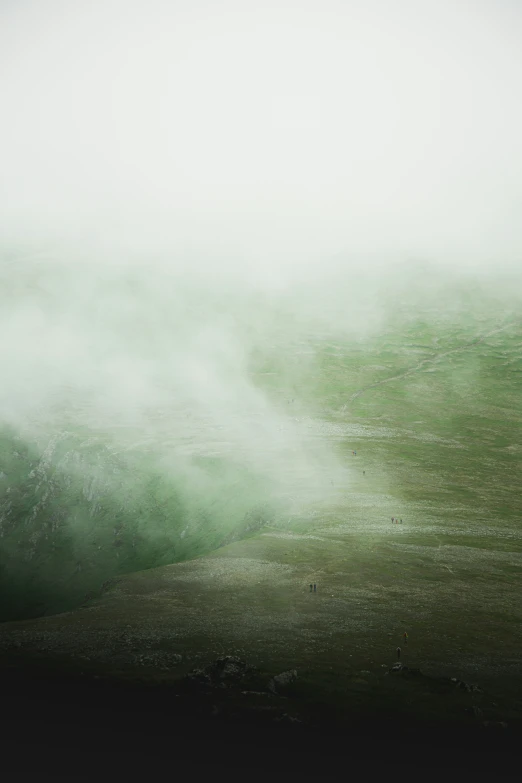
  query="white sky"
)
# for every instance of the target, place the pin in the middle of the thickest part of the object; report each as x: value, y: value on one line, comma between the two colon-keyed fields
x: 265, y: 131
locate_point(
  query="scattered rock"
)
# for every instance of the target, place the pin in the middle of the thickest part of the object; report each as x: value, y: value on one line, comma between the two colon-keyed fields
x: 402, y: 669
x: 157, y: 659
x: 474, y: 710
x: 286, y: 718
x: 280, y: 681
x: 499, y: 724
x: 222, y: 673
x: 465, y: 686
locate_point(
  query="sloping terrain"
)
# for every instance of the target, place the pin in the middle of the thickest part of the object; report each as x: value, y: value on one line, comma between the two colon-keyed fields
x: 449, y: 574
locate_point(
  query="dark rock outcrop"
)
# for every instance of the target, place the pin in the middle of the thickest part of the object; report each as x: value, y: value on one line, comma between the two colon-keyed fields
x: 281, y: 681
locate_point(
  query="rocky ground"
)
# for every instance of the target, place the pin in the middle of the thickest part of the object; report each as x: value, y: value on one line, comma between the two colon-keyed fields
x: 226, y: 716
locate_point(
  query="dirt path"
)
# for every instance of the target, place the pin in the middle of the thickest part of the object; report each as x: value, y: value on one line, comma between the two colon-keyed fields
x: 433, y: 360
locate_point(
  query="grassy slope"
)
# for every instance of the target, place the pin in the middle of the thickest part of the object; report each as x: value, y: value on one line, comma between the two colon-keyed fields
x: 441, y: 448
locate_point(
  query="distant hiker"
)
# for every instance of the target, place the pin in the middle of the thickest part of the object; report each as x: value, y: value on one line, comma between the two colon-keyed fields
x: 398, y: 653
x: 364, y: 473
x: 405, y: 637
x: 355, y: 453
x: 315, y: 588
x: 311, y: 587
x: 401, y: 521
x: 393, y: 519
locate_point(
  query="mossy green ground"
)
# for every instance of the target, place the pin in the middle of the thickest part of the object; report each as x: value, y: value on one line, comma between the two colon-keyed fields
x: 435, y: 415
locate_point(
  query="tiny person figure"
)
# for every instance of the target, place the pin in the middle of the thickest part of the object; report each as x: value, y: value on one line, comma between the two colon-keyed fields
x: 311, y: 588
x: 315, y: 588
x: 398, y: 653
x: 405, y: 637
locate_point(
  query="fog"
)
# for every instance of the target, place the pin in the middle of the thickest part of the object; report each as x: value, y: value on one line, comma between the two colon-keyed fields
x: 268, y: 133
x: 193, y: 196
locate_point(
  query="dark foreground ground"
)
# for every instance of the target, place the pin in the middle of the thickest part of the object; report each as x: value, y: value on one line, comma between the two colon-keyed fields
x: 168, y: 672
x: 79, y: 728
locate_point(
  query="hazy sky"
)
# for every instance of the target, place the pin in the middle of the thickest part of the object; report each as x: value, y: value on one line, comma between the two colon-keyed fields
x: 266, y: 132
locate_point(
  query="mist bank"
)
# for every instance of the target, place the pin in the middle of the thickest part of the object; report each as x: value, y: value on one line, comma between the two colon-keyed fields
x: 149, y: 415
